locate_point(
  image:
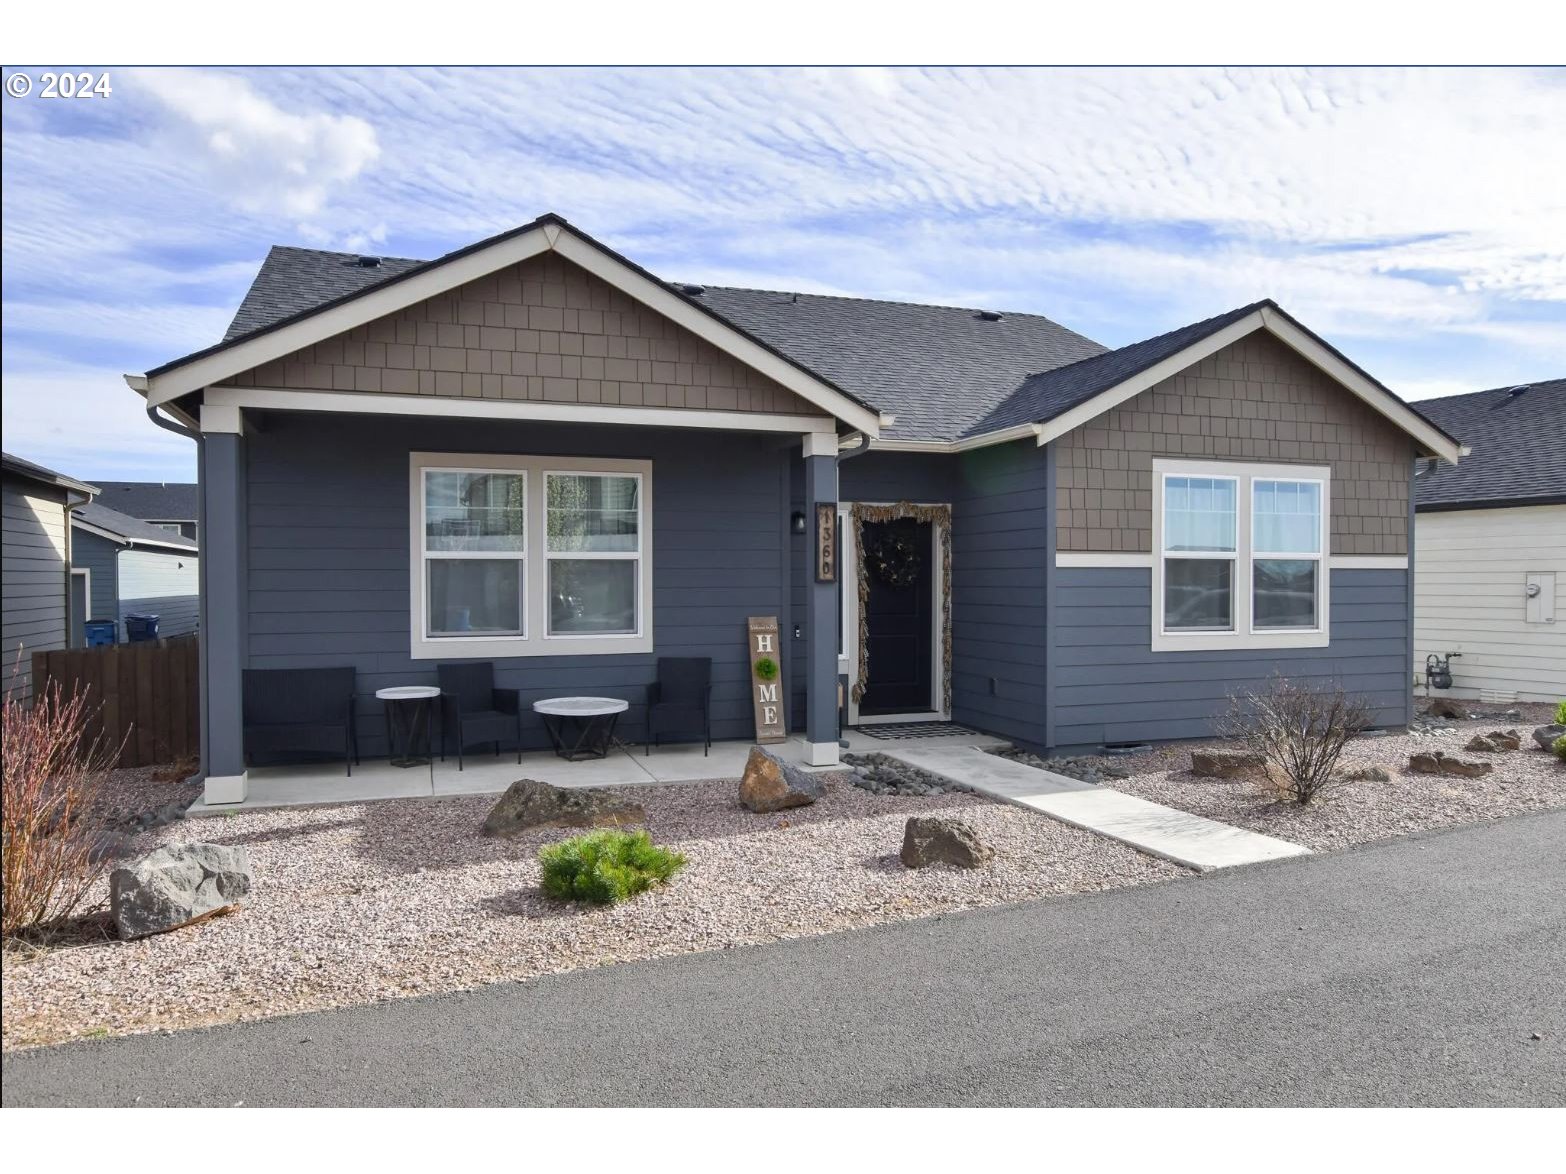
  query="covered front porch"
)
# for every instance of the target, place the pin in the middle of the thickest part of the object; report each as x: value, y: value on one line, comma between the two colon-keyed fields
x: 320, y: 783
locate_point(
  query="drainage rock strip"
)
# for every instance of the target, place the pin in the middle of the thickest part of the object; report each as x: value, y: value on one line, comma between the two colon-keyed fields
x: 1186, y: 839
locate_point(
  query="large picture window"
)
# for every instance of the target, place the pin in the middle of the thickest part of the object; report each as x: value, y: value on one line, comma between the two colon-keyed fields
x: 1239, y: 555
x: 527, y: 556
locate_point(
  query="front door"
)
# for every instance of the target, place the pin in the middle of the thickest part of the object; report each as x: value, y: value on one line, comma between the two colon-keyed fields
x: 899, y: 617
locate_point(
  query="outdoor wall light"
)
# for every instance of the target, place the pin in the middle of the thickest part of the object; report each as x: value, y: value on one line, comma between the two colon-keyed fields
x: 797, y: 521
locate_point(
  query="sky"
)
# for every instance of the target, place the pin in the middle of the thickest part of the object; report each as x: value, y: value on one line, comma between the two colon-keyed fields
x: 1415, y: 218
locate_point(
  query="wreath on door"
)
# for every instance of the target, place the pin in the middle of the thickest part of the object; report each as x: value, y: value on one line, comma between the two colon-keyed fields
x: 894, y: 561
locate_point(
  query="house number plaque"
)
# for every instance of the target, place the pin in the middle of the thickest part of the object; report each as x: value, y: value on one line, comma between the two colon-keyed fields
x: 766, y: 678
x: 826, y: 542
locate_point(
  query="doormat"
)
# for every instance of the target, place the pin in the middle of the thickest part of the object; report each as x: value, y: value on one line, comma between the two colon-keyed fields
x: 914, y: 730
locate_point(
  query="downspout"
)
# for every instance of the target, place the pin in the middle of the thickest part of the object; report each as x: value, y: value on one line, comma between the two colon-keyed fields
x: 70, y: 594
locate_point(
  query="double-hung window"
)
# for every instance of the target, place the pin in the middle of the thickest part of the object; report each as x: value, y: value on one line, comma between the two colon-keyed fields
x: 529, y: 556
x: 1239, y: 555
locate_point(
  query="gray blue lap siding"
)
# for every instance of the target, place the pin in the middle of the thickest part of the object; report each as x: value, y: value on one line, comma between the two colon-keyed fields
x: 1111, y: 687
x: 328, y: 555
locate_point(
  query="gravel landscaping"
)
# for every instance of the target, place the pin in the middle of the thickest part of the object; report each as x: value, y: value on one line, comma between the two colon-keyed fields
x: 362, y: 902
x: 1363, y: 810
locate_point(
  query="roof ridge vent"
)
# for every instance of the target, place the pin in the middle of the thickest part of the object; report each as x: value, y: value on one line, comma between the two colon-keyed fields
x: 1514, y: 392
x: 989, y: 315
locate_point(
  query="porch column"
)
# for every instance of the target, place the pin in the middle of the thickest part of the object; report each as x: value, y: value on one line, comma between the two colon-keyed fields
x: 821, y: 609
x: 221, y: 530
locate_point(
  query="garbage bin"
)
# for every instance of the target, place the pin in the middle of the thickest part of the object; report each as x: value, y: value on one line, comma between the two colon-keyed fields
x: 139, y: 626
x: 99, y: 632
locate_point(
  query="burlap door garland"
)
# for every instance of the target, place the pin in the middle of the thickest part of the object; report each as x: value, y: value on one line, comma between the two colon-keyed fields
x: 941, y: 517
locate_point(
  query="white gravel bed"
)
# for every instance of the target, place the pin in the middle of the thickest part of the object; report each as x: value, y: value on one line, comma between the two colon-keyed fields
x: 1353, y: 813
x: 363, y: 902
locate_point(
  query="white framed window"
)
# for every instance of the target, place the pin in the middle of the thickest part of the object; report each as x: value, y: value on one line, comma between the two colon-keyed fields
x: 1239, y: 555
x: 529, y: 556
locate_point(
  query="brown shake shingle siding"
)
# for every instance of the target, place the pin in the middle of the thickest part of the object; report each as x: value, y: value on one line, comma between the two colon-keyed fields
x: 1255, y: 400
x: 543, y: 330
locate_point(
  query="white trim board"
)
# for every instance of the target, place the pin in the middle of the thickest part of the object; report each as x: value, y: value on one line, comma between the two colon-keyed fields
x: 1111, y: 558
x: 439, y: 277
x: 225, y: 400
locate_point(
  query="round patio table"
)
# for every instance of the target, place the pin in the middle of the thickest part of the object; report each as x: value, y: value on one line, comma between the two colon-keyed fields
x: 408, y: 724
x: 581, y: 727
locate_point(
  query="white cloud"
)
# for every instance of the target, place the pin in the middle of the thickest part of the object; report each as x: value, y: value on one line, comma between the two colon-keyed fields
x: 265, y: 159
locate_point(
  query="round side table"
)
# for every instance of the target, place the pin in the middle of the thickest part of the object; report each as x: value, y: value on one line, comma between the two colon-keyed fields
x: 408, y: 724
x: 581, y: 727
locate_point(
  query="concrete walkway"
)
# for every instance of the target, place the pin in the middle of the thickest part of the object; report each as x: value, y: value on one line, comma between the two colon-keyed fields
x: 1175, y: 835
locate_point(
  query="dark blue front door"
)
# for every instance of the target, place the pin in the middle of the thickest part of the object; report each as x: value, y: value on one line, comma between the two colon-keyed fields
x: 899, y: 614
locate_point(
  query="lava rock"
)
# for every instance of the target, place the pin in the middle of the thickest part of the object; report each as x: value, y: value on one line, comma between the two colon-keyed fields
x: 531, y: 804
x: 1214, y: 763
x: 770, y: 784
x: 1495, y: 741
x: 929, y: 839
x: 1447, y: 707
x: 1436, y: 763
x: 176, y: 885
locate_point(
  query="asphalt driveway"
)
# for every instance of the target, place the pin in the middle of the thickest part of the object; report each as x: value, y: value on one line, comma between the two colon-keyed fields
x: 1412, y: 972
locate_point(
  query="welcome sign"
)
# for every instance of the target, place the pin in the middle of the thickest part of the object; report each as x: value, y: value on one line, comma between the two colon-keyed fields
x: 766, y: 678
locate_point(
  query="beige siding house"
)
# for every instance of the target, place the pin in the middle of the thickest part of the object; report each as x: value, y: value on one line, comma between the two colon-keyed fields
x: 1490, y: 581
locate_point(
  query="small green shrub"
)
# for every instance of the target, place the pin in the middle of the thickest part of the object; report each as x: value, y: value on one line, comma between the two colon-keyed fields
x: 766, y: 669
x: 1560, y: 713
x: 1560, y: 746
x: 606, y: 866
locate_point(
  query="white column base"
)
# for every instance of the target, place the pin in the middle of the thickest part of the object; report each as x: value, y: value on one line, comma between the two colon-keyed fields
x: 226, y: 789
x: 821, y: 754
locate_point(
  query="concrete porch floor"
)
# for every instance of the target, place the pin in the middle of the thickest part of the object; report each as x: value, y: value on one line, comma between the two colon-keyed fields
x: 323, y: 783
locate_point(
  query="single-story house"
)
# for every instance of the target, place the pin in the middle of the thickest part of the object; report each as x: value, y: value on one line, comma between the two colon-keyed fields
x: 35, y: 594
x: 1491, y: 534
x: 168, y: 505
x: 125, y: 566
x: 534, y: 452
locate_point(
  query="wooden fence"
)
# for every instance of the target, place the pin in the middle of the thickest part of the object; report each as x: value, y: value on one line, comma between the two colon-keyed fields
x: 146, y: 693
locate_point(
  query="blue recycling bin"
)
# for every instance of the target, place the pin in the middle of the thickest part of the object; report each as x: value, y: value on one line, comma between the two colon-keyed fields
x: 99, y: 632
x: 139, y: 626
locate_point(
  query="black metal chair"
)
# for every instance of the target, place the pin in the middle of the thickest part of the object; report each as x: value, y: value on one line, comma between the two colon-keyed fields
x: 300, y: 712
x: 679, y: 702
x: 474, y: 710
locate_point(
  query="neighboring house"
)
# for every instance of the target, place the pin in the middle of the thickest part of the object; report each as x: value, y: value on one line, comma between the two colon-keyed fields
x: 168, y: 505
x: 1491, y: 534
x: 35, y: 571
x: 532, y: 451
x: 134, y: 567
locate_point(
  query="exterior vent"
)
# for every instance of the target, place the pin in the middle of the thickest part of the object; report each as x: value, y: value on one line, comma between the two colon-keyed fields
x: 989, y: 315
x: 1518, y: 390
x: 692, y: 290
x: 369, y: 262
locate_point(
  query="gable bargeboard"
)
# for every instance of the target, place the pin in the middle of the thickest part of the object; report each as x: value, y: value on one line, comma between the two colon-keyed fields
x: 544, y: 330
x: 1255, y: 400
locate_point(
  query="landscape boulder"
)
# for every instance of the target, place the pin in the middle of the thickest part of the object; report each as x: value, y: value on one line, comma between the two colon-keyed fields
x: 770, y: 784
x: 1545, y: 736
x: 1436, y: 763
x: 176, y: 885
x: 1495, y: 741
x: 530, y: 804
x: 930, y: 839
x: 1447, y: 707
x: 1368, y: 774
x: 1214, y: 763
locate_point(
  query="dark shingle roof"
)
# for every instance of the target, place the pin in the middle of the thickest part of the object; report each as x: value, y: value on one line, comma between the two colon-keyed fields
x: 293, y: 280
x: 24, y: 468
x: 936, y: 368
x: 132, y: 529
x: 1518, y: 445
x: 162, y: 501
x: 1045, y: 395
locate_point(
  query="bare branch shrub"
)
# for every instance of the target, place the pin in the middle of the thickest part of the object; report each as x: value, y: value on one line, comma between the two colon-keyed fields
x: 51, y: 832
x: 1298, y: 730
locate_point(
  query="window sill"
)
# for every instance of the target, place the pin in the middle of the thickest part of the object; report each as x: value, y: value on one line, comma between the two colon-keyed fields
x: 1238, y: 641
x: 505, y: 648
